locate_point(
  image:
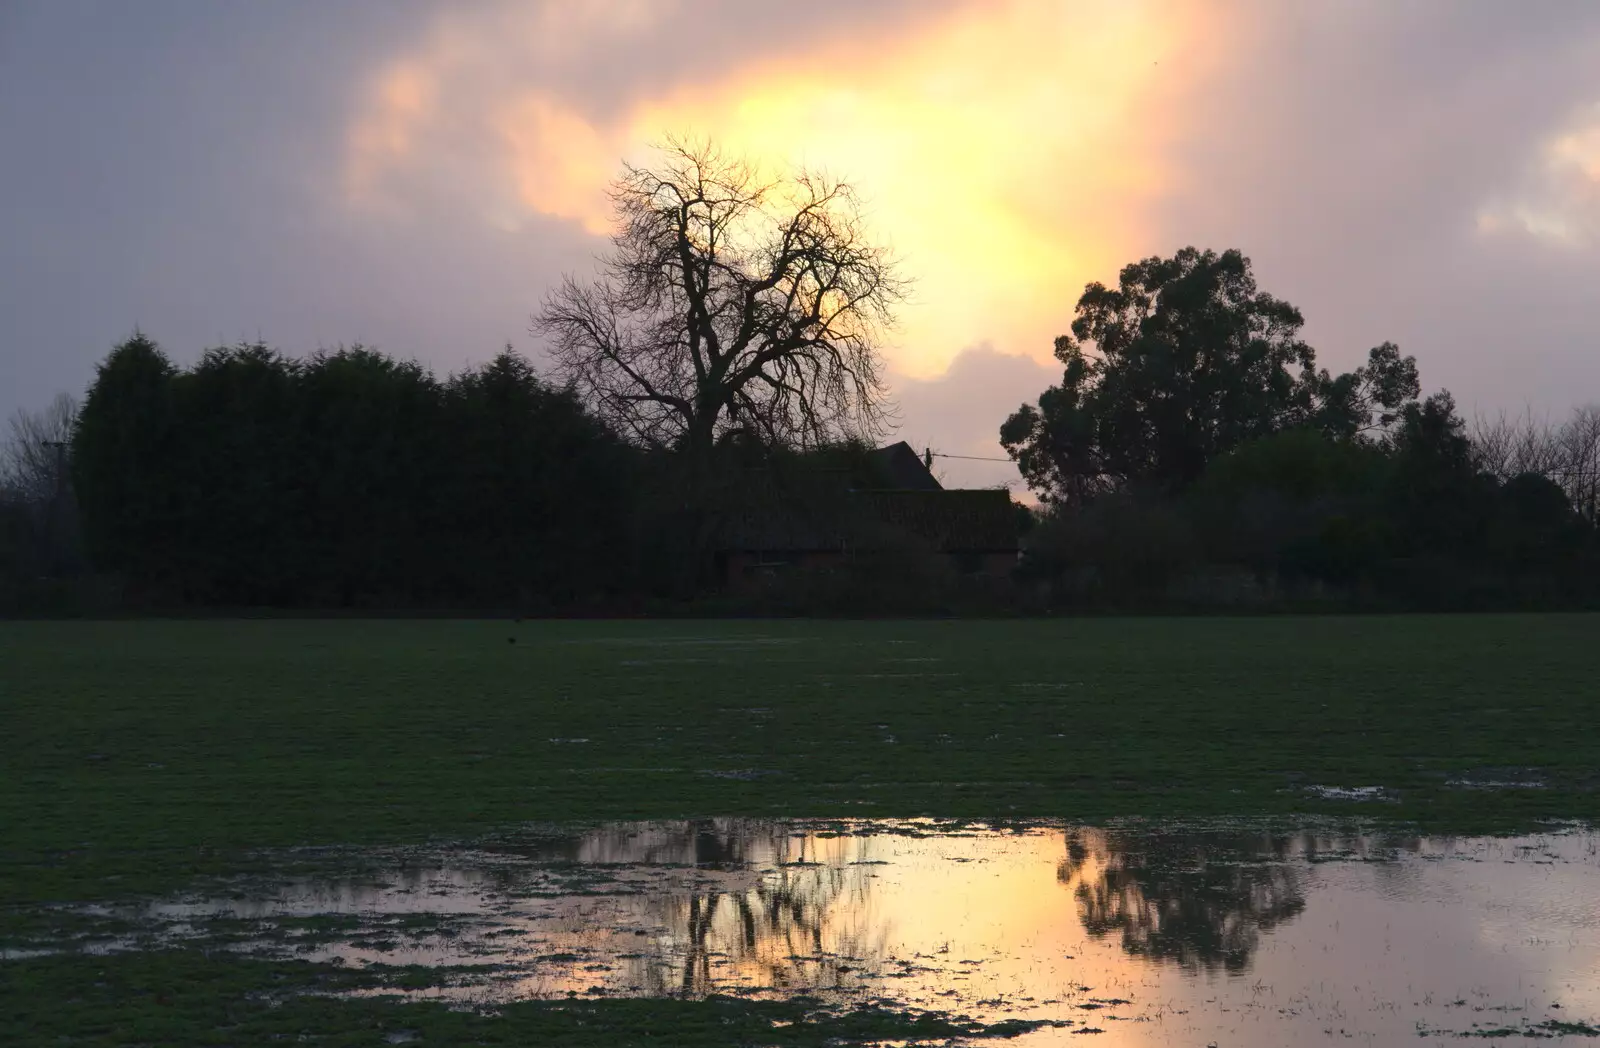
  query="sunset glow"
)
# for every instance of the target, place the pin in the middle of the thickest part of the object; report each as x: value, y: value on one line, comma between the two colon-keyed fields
x: 1001, y: 149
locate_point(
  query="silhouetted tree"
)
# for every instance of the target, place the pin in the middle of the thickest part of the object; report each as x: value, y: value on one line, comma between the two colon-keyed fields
x: 1296, y: 505
x: 371, y: 454
x: 1568, y: 453
x: 1437, y: 496
x: 1364, y: 405
x: 1534, y: 527
x: 526, y: 458
x: 43, y: 539
x: 729, y: 301
x: 1183, y: 361
x: 232, y: 465
x: 124, y: 461
x: 350, y: 479
x: 33, y: 459
x: 1412, y: 516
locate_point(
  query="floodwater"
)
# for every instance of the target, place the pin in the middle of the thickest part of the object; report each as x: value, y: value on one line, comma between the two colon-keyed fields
x: 1140, y: 934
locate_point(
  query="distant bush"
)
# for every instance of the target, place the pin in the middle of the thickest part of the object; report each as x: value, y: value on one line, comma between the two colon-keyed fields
x: 1120, y: 549
x: 1297, y: 520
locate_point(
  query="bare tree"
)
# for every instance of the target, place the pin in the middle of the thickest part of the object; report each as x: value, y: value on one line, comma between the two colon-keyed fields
x: 1507, y: 445
x: 1569, y: 453
x: 33, y: 460
x: 1579, y: 441
x: 729, y: 302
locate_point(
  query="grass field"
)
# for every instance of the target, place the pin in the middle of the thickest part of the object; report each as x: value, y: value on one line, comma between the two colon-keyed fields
x: 134, y: 754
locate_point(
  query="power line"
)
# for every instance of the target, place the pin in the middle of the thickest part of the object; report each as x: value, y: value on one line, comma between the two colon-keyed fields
x: 1579, y: 474
x: 968, y: 458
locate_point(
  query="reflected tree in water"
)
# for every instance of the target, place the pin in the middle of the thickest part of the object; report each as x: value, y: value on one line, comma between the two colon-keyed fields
x: 792, y: 917
x: 788, y: 932
x: 706, y: 843
x: 1199, y: 900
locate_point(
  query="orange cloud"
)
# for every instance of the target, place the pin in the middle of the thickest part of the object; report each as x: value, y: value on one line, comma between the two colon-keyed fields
x: 1560, y: 202
x: 403, y: 99
x: 1008, y: 151
x: 560, y: 163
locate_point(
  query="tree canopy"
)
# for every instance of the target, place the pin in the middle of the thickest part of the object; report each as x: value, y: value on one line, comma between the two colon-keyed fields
x: 1183, y: 361
x: 346, y: 478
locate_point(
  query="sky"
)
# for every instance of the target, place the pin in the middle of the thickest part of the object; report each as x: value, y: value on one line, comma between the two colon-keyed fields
x: 415, y: 175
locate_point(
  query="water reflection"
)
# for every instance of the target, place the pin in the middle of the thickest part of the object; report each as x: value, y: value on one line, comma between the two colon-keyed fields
x: 798, y: 925
x: 1147, y: 934
x: 1199, y: 900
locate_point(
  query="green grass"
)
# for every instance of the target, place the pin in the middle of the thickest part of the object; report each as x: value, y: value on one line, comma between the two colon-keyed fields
x: 137, y: 755
x: 181, y: 998
x: 134, y: 754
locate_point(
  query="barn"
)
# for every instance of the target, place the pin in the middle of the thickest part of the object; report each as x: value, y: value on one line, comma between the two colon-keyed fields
x: 822, y: 520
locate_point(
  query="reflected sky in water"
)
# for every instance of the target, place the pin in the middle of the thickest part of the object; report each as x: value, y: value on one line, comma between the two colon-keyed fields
x: 1148, y: 934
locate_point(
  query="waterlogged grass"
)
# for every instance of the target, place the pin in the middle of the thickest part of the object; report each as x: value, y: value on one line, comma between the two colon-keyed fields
x: 137, y: 755
x: 183, y: 998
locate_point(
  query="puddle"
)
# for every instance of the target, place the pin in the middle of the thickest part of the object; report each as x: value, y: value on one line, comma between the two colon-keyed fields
x: 1349, y: 793
x: 1141, y: 934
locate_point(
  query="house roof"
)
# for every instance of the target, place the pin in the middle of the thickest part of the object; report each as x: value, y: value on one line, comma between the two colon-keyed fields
x: 902, y: 468
x: 820, y: 510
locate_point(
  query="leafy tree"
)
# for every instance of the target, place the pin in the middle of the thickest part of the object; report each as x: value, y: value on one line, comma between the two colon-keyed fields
x: 1301, y: 464
x: 1534, y: 526
x: 348, y: 478
x: 1367, y: 403
x: 1433, y: 437
x: 1183, y: 361
x: 728, y: 302
x: 539, y: 491
x: 230, y: 464
x: 122, y: 456
x: 371, y: 456
x: 1295, y: 505
x: 1438, y: 500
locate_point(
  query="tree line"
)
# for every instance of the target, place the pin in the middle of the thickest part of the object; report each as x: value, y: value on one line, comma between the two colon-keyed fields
x: 346, y: 479
x: 1193, y: 452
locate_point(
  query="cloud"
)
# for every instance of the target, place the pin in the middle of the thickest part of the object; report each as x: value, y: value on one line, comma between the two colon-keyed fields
x: 959, y: 413
x: 1380, y: 164
x: 1558, y: 201
x: 415, y: 173
x: 1008, y: 150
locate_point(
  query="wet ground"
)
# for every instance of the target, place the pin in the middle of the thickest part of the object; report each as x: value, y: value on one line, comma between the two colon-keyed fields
x: 1137, y: 934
